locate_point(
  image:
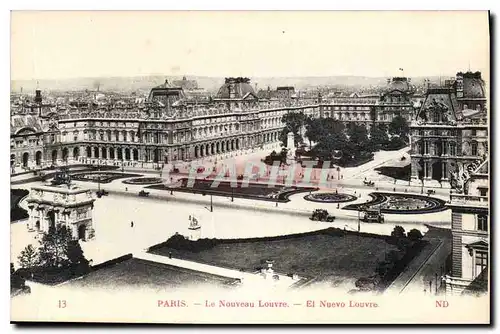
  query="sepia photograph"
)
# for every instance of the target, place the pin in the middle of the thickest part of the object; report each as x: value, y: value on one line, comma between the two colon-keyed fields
x: 250, y: 167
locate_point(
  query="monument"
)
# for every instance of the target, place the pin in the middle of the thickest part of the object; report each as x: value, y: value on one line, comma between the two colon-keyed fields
x: 51, y: 207
x: 194, y: 229
x: 290, y: 145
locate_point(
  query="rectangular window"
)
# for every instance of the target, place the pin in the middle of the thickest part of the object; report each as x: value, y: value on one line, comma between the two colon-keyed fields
x: 474, y: 148
x: 481, y: 261
x: 474, y: 132
x: 483, y: 191
x: 482, y: 223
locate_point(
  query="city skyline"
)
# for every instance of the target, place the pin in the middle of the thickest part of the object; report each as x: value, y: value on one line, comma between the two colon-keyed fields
x: 264, y: 44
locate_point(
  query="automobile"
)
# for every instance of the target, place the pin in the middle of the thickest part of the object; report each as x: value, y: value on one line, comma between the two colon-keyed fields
x: 372, y: 216
x: 101, y: 193
x: 321, y: 215
x: 200, y: 169
x: 431, y: 192
x: 369, y: 183
x: 143, y: 193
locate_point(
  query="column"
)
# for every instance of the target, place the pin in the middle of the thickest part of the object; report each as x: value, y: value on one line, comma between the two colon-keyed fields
x: 30, y: 218
x: 74, y: 231
x: 444, y: 168
x: 43, y: 221
x: 425, y: 169
x: 123, y: 153
x: 414, y: 169
x: 429, y: 171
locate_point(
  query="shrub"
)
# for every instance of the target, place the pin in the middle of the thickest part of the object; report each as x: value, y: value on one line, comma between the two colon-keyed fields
x: 179, y: 242
x: 415, y: 235
x: 398, y: 232
x: 366, y: 283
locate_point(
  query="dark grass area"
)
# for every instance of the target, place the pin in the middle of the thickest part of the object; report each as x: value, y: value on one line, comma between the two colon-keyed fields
x: 143, y: 180
x: 138, y: 273
x: 16, y: 212
x: 50, y: 276
x: 399, y: 173
x: 330, y: 198
x: 381, y: 199
x: 107, y: 178
x: 275, y: 193
x: 325, y: 255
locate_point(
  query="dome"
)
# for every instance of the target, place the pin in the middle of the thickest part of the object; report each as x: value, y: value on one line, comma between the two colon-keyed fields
x: 235, y: 88
x: 400, y: 84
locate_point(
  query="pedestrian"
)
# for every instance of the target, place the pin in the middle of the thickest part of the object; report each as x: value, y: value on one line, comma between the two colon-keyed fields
x: 131, y: 224
x: 126, y: 189
x: 394, y: 189
x: 169, y: 255
x: 276, y: 204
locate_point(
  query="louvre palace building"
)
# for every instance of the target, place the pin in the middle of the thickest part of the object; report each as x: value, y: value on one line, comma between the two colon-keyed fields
x: 170, y: 126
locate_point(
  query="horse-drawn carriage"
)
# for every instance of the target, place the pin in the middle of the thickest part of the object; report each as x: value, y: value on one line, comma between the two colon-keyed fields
x: 368, y: 183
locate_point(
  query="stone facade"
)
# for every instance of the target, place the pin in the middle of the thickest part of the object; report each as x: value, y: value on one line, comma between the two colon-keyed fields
x: 448, y: 140
x: 50, y: 207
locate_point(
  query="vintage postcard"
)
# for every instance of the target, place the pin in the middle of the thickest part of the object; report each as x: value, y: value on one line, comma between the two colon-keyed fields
x: 250, y: 167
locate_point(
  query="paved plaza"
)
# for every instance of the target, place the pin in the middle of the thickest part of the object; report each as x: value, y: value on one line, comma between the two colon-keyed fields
x: 163, y: 214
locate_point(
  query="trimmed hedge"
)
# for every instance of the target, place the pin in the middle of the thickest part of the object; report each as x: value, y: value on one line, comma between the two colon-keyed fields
x: 179, y: 242
x: 16, y: 212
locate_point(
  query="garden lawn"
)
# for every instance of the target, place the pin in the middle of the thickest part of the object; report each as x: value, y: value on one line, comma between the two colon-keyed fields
x: 320, y: 256
x: 138, y: 273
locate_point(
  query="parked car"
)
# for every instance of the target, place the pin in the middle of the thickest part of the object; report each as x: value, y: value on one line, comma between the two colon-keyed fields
x: 101, y: 193
x: 322, y: 216
x: 143, y: 193
x: 372, y: 216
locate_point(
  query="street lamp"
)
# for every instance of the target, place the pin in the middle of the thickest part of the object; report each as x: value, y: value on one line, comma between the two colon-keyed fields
x: 211, y: 209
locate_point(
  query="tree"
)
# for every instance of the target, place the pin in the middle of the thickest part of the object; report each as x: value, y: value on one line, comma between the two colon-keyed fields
x: 399, y: 127
x: 398, y: 232
x: 358, y: 140
x: 76, y: 259
x: 28, y: 257
x: 16, y: 280
x: 379, y: 137
x: 294, y: 121
x: 53, y: 248
x: 415, y: 235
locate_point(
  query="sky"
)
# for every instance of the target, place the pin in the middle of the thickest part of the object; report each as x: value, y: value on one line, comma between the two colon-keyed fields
x: 59, y: 45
